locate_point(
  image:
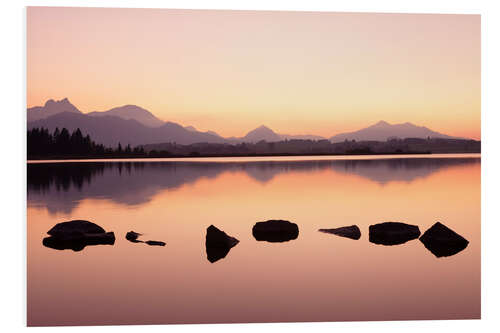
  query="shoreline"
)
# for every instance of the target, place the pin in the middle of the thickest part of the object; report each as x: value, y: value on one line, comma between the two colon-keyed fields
x: 257, y: 158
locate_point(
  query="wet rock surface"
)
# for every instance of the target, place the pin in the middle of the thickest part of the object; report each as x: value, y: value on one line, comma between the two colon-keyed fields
x: 351, y: 232
x: 275, y: 231
x: 218, y: 243
x: 76, y: 235
x: 442, y: 241
x: 393, y: 233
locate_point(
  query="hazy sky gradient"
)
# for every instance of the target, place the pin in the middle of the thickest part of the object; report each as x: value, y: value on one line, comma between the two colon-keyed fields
x: 231, y: 71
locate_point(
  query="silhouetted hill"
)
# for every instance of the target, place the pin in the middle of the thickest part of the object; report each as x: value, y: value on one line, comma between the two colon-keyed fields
x: 382, y: 130
x: 193, y: 129
x: 321, y: 147
x: 126, y: 112
x: 51, y: 108
x: 261, y: 133
x: 111, y: 130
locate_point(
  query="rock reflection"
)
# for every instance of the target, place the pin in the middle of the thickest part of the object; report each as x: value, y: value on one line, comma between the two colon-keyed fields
x: 76, y: 235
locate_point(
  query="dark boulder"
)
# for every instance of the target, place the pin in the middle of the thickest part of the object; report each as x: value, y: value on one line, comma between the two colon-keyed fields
x: 155, y: 243
x: 132, y: 237
x: 77, y: 234
x: 393, y: 233
x: 442, y: 241
x: 275, y: 231
x: 75, y: 226
x: 352, y: 232
x: 218, y: 244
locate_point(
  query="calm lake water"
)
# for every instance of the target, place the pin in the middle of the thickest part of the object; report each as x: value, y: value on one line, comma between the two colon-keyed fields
x: 316, y: 277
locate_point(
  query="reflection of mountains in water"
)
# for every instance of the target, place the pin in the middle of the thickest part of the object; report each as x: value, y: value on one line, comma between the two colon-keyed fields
x: 61, y: 186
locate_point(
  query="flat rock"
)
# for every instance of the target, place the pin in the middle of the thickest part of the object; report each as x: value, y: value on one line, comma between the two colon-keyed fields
x: 218, y: 243
x: 275, y: 231
x: 442, y: 241
x: 393, y: 233
x: 155, y: 243
x: 351, y: 232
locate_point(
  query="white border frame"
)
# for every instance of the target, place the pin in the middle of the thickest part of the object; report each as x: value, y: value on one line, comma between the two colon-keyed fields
x: 13, y: 170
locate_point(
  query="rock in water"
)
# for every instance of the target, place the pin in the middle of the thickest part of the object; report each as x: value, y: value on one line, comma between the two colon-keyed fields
x: 393, y: 233
x: 442, y: 241
x: 155, y: 243
x: 218, y: 244
x: 275, y: 231
x: 352, y: 232
x: 75, y: 226
x: 77, y: 234
x: 132, y: 236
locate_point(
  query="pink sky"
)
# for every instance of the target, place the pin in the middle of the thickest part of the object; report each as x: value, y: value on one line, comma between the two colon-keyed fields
x: 231, y: 71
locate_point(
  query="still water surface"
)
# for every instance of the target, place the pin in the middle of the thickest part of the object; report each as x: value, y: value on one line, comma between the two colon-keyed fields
x: 316, y: 277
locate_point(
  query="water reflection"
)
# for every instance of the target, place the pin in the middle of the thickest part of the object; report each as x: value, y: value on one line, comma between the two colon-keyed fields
x: 77, y: 244
x: 60, y: 187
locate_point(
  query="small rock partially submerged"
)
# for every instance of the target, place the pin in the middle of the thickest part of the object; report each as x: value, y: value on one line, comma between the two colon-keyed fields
x: 442, y: 241
x: 352, y: 232
x: 393, y: 233
x: 218, y: 243
x: 155, y: 243
x: 275, y: 231
x: 76, y: 235
x: 132, y: 237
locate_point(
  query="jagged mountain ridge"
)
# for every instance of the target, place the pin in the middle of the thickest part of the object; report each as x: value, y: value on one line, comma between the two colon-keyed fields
x: 131, y: 124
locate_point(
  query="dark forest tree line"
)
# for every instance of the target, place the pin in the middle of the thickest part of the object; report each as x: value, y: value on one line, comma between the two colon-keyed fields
x: 62, y: 143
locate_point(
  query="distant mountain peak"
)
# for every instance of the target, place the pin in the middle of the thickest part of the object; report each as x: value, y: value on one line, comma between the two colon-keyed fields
x: 382, y: 123
x: 61, y: 103
x: 382, y: 130
x: 131, y: 111
x: 50, y: 108
x: 263, y: 127
x: 261, y: 133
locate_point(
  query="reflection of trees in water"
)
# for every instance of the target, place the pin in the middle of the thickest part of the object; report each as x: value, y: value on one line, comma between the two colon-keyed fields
x: 61, y: 186
x: 64, y: 176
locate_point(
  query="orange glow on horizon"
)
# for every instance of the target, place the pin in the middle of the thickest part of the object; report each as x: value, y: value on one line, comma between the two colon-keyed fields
x: 317, y: 73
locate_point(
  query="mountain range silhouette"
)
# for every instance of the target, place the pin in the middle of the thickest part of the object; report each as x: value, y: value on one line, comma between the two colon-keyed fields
x: 131, y: 124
